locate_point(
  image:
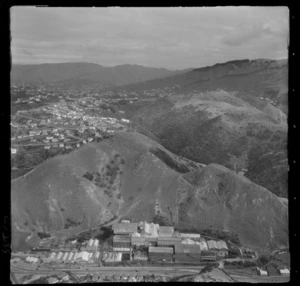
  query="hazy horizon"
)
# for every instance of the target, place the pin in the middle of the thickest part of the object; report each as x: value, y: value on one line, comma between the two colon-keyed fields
x: 171, y: 38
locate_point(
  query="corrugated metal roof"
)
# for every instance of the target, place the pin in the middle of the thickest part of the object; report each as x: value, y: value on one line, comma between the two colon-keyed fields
x: 189, y: 235
x: 168, y: 242
x: 125, y: 227
x: 165, y: 231
x: 208, y: 253
x: 212, y: 244
x: 203, y: 245
x: 188, y: 241
x: 187, y: 248
x: 151, y: 238
x: 138, y: 239
x: 160, y: 249
x: 121, y: 238
x: 222, y: 245
x: 169, y: 239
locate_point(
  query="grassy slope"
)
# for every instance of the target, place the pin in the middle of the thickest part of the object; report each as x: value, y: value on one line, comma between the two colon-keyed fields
x: 56, y: 194
x: 225, y: 128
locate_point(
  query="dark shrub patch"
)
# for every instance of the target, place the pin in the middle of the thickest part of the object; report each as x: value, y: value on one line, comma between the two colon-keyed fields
x: 88, y: 176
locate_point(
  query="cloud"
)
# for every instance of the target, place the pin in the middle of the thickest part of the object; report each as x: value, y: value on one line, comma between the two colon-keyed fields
x: 166, y: 37
x: 243, y: 35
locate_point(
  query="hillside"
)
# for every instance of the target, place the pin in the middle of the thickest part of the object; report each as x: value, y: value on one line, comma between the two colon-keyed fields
x: 210, y: 274
x: 233, y: 129
x: 85, y: 74
x: 261, y: 78
x: 131, y: 176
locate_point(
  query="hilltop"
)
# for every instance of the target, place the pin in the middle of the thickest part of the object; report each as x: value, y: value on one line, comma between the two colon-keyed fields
x: 81, y: 73
x: 130, y: 175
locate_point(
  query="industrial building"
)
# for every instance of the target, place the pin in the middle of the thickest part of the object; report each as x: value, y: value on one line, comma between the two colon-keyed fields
x: 160, y: 254
x: 125, y: 228
x: 165, y: 231
x: 139, y: 241
x: 208, y: 256
x: 222, y: 248
x: 203, y: 245
x: 212, y: 245
x: 149, y: 229
x: 187, y: 253
x: 168, y: 241
x: 152, y: 240
x: 190, y: 235
x: 122, y: 242
x: 140, y: 255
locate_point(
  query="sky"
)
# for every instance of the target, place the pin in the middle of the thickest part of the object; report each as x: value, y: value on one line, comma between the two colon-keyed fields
x: 173, y: 38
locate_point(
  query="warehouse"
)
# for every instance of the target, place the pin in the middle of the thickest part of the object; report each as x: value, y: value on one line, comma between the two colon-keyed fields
x: 121, y: 242
x: 150, y: 229
x: 152, y: 241
x: 208, y: 256
x: 139, y: 241
x: 223, y: 249
x: 187, y: 248
x: 188, y: 241
x: 212, y: 245
x: 165, y: 231
x: 140, y: 255
x: 160, y: 254
x: 187, y: 258
x: 125, y: 228
x: 187, y: 253
x: 190, y: 235
x: 203, y: 245
x: 168, y: 241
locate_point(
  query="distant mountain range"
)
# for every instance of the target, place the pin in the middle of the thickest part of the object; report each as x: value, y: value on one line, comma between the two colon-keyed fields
x: 86, y: 73
x: 132, y: 176
x: 256, y: 78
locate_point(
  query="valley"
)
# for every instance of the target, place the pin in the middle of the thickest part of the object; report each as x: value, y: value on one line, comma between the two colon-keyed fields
x: 202, y: 151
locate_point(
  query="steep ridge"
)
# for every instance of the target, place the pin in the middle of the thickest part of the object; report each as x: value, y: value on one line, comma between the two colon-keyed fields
x: 86, y: 73
x: 245, y: 135
x: 126, y: 176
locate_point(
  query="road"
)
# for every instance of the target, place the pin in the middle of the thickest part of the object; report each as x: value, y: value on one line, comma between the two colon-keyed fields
x: 110, y: 271
x: 149, y: 270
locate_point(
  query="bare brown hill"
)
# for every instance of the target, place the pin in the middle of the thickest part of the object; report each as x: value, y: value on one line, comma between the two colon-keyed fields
x: 131, y: 176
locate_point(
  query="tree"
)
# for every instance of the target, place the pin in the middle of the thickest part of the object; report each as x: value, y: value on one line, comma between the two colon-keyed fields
x: 263, y: 259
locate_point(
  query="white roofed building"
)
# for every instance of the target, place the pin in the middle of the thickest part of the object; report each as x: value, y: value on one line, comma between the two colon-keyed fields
x: 203, y: 245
